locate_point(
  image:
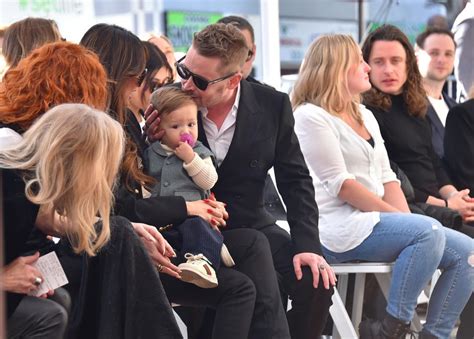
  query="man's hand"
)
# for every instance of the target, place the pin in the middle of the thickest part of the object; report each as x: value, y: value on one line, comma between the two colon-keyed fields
x: 463, y: 203
x: 185, y: 152
x: 152, y: 124
x: 318, y: 265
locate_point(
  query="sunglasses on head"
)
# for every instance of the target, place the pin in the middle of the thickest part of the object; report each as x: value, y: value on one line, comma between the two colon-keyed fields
x: 200, y: 82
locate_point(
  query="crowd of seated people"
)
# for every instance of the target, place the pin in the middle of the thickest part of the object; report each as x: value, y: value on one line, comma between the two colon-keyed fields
x: 353, y: 158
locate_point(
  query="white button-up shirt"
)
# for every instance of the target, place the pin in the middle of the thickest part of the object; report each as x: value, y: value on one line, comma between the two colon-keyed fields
x: 220, y: 139
x: 334, y: 153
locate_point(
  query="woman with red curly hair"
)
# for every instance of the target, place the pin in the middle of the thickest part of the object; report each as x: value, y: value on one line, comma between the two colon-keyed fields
x: 35, y: 85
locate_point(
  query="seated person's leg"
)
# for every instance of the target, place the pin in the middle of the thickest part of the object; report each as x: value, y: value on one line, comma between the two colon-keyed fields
x: 233, y: 299
x: 37, y: 318
x: 454, y: 287
x: 310, y: 306
x: 251, y: 252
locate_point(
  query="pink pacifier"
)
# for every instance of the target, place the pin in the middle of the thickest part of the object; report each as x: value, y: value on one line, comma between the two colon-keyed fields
x: 186, y: 137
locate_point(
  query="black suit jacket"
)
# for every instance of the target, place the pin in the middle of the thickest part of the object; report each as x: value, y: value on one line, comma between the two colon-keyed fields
x: 264, y: 137
x: 437, y: 128
x: 459, y: 145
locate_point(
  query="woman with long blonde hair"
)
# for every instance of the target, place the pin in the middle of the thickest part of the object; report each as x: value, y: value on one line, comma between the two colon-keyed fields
x: 363, y: 212
x: 55, y: 179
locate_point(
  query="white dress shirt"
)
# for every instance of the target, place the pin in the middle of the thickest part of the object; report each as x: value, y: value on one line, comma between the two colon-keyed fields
x: 220, y: 139
x: 334, y: 152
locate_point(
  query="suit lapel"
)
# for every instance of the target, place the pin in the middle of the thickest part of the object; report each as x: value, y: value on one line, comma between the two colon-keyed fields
x: 449, y: 101
x: 246, y: 126
x: 202, y: 134
x: 436, y: 123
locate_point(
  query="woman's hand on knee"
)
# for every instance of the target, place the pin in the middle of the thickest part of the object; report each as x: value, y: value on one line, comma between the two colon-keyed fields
x: 159, y: 250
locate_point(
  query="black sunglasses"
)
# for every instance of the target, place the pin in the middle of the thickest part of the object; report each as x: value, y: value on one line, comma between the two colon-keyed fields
x: 198, y: 80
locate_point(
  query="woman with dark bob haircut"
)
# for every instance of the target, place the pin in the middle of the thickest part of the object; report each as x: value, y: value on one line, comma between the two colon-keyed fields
x: 399, y: 104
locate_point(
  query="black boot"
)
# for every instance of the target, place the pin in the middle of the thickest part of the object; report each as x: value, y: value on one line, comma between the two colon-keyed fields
x: 425, y: 335
x: 389, y: 328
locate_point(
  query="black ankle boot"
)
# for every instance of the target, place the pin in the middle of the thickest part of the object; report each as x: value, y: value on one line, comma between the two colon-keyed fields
x: 426, y: 335
x: 389, y: 328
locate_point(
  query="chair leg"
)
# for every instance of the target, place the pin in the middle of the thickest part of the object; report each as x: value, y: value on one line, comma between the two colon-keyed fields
x: 358, y: 301
x: 343, y: 327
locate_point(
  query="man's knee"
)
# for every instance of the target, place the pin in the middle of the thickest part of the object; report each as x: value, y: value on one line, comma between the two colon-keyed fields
x: 305, y: 290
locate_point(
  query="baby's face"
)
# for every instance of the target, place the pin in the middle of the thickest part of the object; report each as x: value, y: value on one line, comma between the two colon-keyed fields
x: 177, y: 123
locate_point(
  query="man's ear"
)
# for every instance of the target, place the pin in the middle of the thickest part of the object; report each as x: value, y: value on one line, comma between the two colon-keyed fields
x: 234, y: 81
x: 417, y: 50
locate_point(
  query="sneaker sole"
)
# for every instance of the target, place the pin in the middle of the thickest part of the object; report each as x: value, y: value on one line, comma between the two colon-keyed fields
x: 197, y: 279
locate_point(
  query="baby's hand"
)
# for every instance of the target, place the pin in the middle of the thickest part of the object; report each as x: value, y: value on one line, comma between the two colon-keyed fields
x: 184, y: 152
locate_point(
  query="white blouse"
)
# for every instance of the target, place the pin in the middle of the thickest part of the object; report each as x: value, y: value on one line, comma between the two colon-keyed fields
x: 334, y: 152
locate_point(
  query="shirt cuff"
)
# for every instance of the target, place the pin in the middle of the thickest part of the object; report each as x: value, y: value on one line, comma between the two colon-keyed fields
x: 333, y: 186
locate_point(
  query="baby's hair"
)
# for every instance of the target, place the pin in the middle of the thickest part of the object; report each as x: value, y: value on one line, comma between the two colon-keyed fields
x: 168, y: 99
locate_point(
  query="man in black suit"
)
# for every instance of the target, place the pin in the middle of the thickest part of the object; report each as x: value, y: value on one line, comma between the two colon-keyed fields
x: 271, y: 198
x: 435, y: 56
x: 249, y: 128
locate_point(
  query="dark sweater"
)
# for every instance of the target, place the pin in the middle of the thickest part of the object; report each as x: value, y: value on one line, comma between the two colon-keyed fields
x: 19, y: 220
x: 459, y: 145
x: 408, y: 142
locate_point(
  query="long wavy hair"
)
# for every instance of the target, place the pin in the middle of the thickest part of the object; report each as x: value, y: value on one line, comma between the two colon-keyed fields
x: 328, y: 57
x: 53, y: 74
x: 413, y: 91
x: 124, y: 57
x: 69, y: 159
x: 23, y: 36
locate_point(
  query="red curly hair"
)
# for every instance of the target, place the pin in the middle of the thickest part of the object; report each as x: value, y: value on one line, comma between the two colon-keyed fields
x: 56, y: 73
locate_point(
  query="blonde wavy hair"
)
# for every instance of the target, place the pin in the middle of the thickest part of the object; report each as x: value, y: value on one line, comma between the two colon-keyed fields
x: 69, y: 159
x: 322, y: 78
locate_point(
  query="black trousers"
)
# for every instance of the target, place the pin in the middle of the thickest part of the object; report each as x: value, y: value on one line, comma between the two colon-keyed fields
x: 310, y: 306
x: 37, y: 318
x: 195, y: 236
x: 247, y: 301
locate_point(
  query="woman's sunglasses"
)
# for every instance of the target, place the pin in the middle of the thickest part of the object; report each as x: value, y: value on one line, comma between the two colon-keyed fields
x: 200, y: 82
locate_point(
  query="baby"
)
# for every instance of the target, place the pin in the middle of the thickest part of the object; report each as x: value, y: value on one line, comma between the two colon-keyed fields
x: 184, y: 167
